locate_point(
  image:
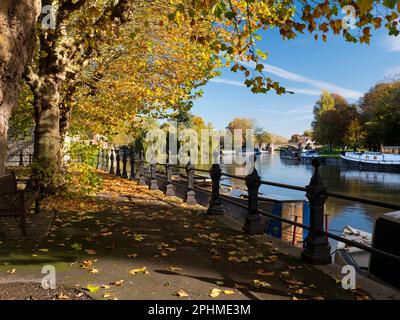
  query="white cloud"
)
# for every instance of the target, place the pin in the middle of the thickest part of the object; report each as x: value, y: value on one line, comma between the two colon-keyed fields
x: 306, y: 91
x: 291, y: 76
x: 227, y: 81
x: 394, y: 71
x: 391, y: 43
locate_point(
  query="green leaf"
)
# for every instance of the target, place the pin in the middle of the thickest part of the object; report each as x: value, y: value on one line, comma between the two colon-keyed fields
x: 259, y: 67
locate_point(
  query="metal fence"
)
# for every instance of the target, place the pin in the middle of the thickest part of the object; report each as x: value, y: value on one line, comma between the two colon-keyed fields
x: 316, y: 249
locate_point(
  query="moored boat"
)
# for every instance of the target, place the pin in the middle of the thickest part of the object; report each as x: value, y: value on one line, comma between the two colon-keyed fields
x: 372, y: 161
x: 347, y: 254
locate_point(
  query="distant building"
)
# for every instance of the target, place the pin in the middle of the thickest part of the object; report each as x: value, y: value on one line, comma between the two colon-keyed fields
x: 303, y: 141
x: 391, y: 149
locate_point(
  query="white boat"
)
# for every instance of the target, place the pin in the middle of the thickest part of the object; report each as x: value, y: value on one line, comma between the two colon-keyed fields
x: 347, y: 254
x: 309, y: 154
x: 372, y: 160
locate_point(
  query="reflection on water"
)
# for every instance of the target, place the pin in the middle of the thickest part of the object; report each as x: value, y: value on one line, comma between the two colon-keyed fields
x: 382, y: 186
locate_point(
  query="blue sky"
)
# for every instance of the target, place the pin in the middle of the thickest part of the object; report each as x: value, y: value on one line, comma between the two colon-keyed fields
x: 305, y: 66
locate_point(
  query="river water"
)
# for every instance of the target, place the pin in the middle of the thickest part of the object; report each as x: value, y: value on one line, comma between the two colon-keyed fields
x: 382, y: 186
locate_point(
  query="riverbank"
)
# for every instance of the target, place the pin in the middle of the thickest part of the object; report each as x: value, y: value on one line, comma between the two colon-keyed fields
x: 127, y: 242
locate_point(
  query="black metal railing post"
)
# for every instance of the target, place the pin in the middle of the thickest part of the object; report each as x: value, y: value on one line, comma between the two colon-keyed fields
x: 215, y: 207
x: 153, y: 177
x: 107, y: 160
x: 190, y: 193
x: 124, y: 163
x: 142, y: 177
x: 252, y: 223
x: 317, y: 249
x: 21, y: 159
x: 102, y: 159
x: 132, y: 174
x: 30, y: 159
x: 169, y: 187
x: 112, y: 162
x: 98, y: 160
x: 118, y: 160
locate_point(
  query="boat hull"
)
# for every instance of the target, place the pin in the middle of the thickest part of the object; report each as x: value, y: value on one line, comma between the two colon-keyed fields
x: 368, y: 166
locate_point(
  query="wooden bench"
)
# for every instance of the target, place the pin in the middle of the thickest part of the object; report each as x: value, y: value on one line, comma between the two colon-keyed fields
x: 15, y: 202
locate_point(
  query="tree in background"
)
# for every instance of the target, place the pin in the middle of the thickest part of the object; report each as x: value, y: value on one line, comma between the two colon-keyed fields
x: 243, y: 124
x: 262, y: 137
x: 380, y: 111
x: 355, y: 135
x: 332, y: 116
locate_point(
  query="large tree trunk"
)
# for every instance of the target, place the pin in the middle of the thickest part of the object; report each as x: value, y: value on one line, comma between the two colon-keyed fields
x: 17, y: 42
x: 47, y: 152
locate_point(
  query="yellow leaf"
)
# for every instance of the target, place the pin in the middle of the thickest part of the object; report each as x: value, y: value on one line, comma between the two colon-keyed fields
x: 92, y: 288
x: 229, y: 292
x: 181, y: 294
x: 11, y: 271
x: 132, y: 255
x: 94, y: 271
x: 139, y: 270
x: 215, y: 292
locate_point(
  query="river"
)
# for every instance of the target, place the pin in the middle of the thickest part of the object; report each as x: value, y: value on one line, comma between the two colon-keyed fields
x: 382, y: 186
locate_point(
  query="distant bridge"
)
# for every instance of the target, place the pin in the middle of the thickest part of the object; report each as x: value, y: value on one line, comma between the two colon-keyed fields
x: 289, y: 144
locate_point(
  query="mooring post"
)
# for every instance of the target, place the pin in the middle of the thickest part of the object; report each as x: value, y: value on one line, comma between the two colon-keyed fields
x: 124, y: 163
x: 215, y: 207
x: 169, y: 187
x: 153, y: 177
x: 317, y: 249
x: 252, y: 223
x: 132, y: 174
x: 190, y: 193
x: 98, y: 160
x: 118, y: 160
x: 112, y: 162
x: 21, y: 159
x: 142, y: 177
x: 107, y: 160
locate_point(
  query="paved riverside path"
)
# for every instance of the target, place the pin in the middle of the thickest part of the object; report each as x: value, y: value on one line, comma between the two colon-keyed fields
x: 161, y: 249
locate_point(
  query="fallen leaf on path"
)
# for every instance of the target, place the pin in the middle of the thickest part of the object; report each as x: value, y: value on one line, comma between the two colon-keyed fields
x: 92, y: 288
x: 262, y: 272
x: 139, y: 270
x: 215, y: 292
x: 76, y: 246
x: 171, y: 268
x: 181, y: 294
x: 258, y: 283
x: 11, y: 271
x: 62, y: 296
x: 294, y: 282
x: 94, y: 271
x: 228, y: 292
x: 90, y: 251
x: 117, y: 283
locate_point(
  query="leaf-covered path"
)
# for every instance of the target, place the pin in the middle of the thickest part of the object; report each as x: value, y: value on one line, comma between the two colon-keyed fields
x: 132, y: 243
